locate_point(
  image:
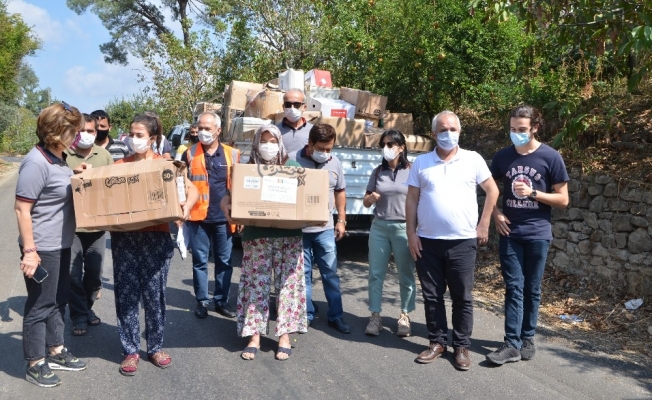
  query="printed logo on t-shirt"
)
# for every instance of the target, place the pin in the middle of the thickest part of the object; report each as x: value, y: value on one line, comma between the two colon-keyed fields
x: 525, y: 175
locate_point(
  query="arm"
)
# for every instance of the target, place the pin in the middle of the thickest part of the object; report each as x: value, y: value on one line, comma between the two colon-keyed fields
x: 192, y: 196
x: 491, y: 191
x: 501, y: 221
x: 23, y: 214
x: 370, y: 199
x: 340, y: 205
x: 557, y: 199
x: 411, y: 203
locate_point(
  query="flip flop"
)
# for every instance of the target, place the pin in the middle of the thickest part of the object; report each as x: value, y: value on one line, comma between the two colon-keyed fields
x: 93, y: 319
x: 252, y: 350
x: 80, y: 328
x: 283, y: 350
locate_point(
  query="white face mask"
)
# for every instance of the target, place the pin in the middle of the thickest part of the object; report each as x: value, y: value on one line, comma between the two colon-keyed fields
x: 268, y: 151
x: 320, y: 157
x: 139, y: 145
x: 293, y: 114
x: 86, y: 140
x: 390, y: 153
x: 448, y: 140
x: 206, y: 137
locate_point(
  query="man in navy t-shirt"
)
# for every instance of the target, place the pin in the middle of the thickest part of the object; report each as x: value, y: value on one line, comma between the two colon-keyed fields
x: 534, y: 179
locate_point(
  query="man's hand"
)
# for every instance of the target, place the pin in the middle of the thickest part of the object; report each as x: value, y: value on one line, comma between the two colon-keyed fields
x: 522, y: 189
x: 225, y: 206
x: 82, y: 167
x: 339, y: 230
x: 414, y: 243
x: 502, y: 223
x: 483, y: 233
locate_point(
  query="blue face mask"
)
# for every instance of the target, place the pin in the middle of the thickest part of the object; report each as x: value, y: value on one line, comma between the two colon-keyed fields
x: 448, y: 140
x: 520, y: 138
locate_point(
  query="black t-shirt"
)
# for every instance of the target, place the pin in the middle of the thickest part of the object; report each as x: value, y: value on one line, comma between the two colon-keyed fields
x: 217, y: 176
x: 540, y: 170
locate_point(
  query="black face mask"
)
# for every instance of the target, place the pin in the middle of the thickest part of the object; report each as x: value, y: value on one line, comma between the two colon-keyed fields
x: 101, y: 135
x: 194, y: 139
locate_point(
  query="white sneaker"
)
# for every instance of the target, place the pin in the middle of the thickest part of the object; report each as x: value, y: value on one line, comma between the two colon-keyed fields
x: 375, y: 325
x: 404, y: 325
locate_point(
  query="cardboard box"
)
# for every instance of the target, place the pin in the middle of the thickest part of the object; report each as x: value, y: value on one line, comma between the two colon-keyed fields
x: 206, y: 106
x: 332, y: 108
x: 366, y: 103
x: 419, y: 143
x: 263, y: 104
x: 350, y: 132
x: 310, y: 116
x: 227, y: 121
x: 318, y: 77
x: 128, y: 196
x: 321, y: 92
x: 400, y: 122
x: 235, y: 95
x: 291, y: 79
x: 279, y: 197
x: 244, y: 128
x: 372, y: 137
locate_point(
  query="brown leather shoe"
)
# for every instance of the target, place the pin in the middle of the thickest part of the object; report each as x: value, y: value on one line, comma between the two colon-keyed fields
x: 462, y: 358
x: 430, y: 354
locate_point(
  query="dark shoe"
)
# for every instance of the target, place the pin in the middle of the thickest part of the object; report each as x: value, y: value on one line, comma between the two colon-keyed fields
x: 201, y: 311
x: 504, y: 354
x: 41, y: 375
x: 430, y: 354
x: 80, y: 328
x: 93, y: 319
x: 224, y: 310
x: 527, y: 349
x: 66, y: 361
x: 462, y: 358
x: 340, y: 325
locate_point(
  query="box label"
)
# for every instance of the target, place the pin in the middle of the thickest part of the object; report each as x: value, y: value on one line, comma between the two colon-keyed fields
x: 280, y: 190
x: 251, y: 182
x: 339, y: 113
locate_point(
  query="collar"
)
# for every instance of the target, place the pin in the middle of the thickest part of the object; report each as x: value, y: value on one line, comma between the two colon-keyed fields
x: 70, y: 152
x: 456, y: 157
x: 305, y: 122
x: 398, y: 167
x: 52, y: 159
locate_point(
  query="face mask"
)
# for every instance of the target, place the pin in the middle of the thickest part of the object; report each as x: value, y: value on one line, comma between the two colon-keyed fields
x: 138, y: 145
x: 206, y: 138
x: 448, y: 140
x: 268, y: 151
x: 101, y: 135
x: 193, y: 139
x: 389, y: 153
x: 520, y: 138
x: 320, y: 157
x: 293, y: 114
x: 86, y: 140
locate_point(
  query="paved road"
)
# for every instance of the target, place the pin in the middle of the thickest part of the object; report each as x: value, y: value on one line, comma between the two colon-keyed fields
x: 324, y: 364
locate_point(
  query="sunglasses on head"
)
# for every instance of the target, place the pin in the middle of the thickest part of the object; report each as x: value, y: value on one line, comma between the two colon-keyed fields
x: 66, y: 106
x: 388, y: 144
x: 295, y: 104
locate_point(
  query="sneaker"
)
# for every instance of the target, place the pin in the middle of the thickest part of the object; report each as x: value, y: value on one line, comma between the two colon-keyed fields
x: 504, y: 354
x: 404, y: 325
x: 527, y: 349
x: 41, y: 375
x: 66, y: 361
x: 375, y: 325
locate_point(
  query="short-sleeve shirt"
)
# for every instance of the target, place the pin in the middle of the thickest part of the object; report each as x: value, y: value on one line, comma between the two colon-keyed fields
x: 44, y: 180
x: 336, y: 182
x: 541, y: 169
x: 392, y: 187
x: 117, y: 148
x: 217, y: 179
x: 448, y: 201
x: 294, y: 139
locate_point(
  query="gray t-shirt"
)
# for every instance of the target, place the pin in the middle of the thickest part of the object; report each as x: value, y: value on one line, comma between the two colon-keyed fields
x: 294, y: 139
x: 44, y: 180
x: 335, y: 182
x: 392, y: 187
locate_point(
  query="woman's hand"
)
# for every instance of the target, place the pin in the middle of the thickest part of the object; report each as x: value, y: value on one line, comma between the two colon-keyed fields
x: 29, y: 263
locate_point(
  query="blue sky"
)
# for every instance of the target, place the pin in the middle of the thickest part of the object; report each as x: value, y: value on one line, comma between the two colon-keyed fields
x: 70, y: 61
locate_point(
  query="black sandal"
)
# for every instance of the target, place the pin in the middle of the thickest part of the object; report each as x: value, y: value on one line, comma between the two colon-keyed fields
x: 252, y: 350
x: 80, y: 328
x: 93, y: 319
x: 284, y: 350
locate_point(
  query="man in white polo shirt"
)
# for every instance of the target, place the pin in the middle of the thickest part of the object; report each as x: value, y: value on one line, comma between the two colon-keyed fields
x: 443, y: 234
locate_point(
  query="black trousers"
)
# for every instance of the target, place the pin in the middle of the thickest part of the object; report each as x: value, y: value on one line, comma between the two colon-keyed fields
x: 448, y: 263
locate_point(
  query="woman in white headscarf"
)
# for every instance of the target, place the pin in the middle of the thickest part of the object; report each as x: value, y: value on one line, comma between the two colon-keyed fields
x: 268, y: 253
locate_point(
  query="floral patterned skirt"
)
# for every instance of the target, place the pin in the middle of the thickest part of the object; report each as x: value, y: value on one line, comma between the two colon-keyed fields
x: 282, y: 257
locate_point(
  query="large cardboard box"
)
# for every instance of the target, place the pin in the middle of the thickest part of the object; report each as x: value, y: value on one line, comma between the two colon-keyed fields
x: 350, y: 132
x: 129, y: 196
x: 291, y: 79
x: 206, y: 106
x: 310, y: 116
x: 372, y: 137
x: 399, y: 121
x: 318, y: 77
x: 419, y: 143
x: 263, y: 104
x: 332, y: 108
x: 279, y: 197
x: 366, y: 103
x: 229, y: 114
x: 243, y: 129
x: 321, y: 92
x: 235, y: 95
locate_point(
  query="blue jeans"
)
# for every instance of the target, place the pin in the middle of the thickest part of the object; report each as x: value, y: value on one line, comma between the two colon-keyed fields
x: 319, y: 248
x: 522, y: 263
x: 203, y: 234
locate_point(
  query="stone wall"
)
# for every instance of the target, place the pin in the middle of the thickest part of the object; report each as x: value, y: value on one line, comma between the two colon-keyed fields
x: 606, y: 232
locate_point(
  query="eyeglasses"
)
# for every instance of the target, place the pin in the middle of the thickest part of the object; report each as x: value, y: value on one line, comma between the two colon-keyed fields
x: 388, y: 144
x: 295, y: 104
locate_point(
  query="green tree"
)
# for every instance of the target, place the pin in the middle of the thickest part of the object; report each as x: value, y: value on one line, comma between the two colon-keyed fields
x: 31, y: 96
x: 122, y: 111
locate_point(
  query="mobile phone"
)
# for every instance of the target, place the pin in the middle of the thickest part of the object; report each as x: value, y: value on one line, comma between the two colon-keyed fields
x: 40, y: 274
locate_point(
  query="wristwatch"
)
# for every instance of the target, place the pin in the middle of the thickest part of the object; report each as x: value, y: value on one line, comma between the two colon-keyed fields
x: 341, y: 221
x: 533, y: 194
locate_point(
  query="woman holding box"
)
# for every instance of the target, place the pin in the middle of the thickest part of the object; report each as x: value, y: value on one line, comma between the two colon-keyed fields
x: 268, y: 252
x: 141, y: 260
x: 387, y: 190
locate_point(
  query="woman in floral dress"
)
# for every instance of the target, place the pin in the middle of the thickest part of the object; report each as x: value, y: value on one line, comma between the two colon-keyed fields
x: 268, y: 253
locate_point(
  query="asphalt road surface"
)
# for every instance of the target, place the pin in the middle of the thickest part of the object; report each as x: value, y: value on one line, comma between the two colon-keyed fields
x: 324, y: 365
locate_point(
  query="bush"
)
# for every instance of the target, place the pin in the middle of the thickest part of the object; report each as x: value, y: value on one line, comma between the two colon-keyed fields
x: 19, y: 136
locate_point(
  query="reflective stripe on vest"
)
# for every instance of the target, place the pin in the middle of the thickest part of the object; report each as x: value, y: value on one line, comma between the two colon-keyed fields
x: 198, y: 175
